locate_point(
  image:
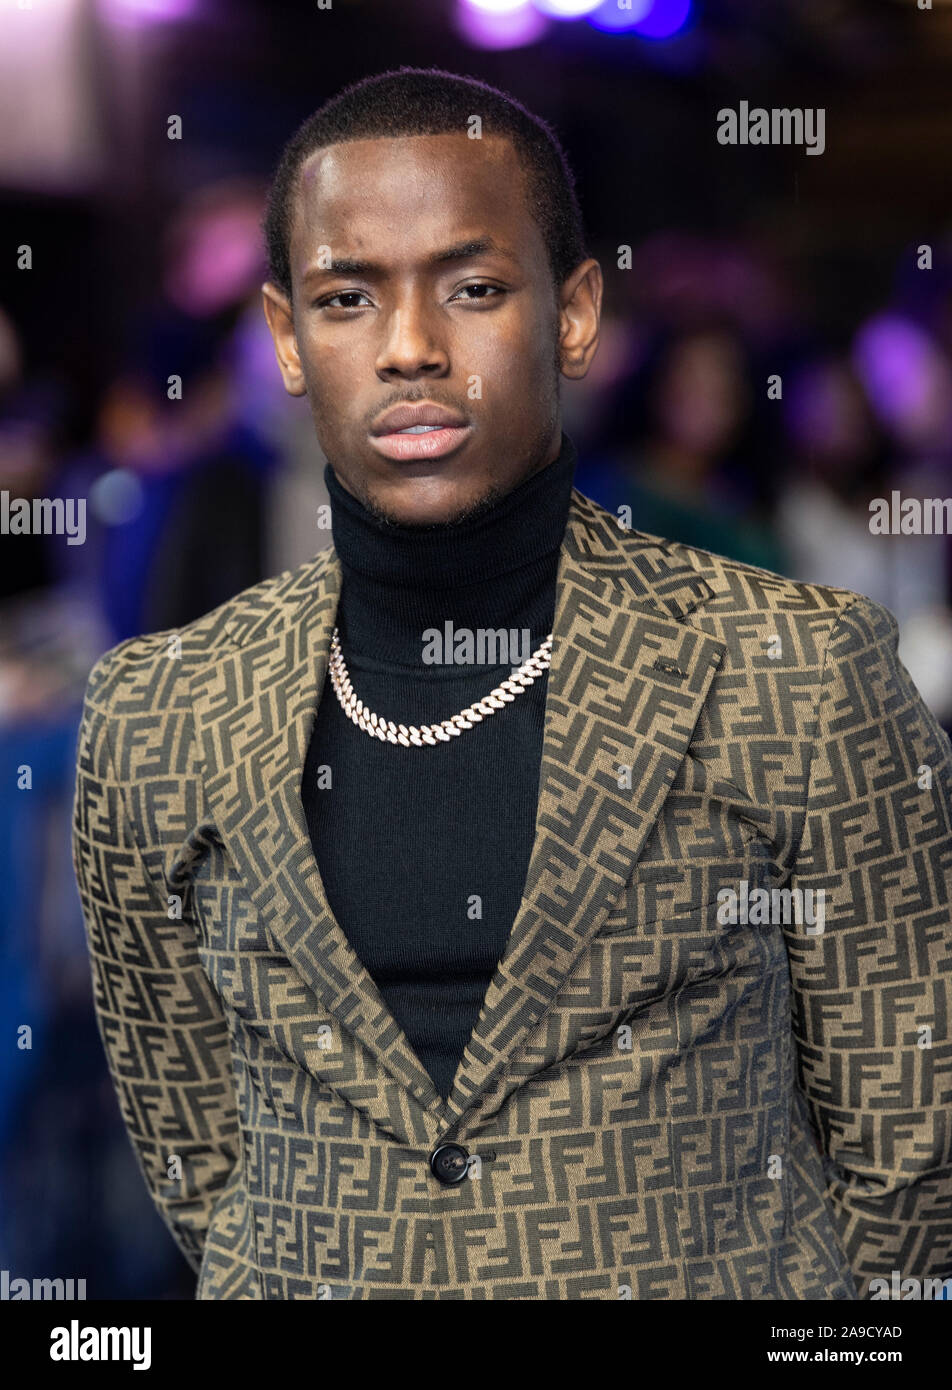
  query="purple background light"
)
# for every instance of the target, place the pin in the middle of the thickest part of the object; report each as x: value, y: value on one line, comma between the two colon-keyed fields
x: 498, y: 6
x: 893, y: 357
x: 650, y: 19
x: 610, y: 18
x: 566, y: 9
x: 133, y: 12
x: 498, y: 30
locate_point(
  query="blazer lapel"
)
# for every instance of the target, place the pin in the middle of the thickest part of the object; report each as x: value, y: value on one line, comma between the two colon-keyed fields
x: 625, y: 688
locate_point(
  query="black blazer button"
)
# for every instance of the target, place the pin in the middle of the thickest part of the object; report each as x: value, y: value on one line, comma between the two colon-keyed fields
x: 449, y: 1163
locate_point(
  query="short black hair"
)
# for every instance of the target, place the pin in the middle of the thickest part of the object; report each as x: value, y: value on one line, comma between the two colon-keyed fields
x: 431, y: 101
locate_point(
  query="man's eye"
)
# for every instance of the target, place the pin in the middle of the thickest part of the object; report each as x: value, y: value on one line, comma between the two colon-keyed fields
x: 481, y: 285
x: 341, y: 294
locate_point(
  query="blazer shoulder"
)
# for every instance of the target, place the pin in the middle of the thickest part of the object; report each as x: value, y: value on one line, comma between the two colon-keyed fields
x: 133, y: 659
x: 739, y: 588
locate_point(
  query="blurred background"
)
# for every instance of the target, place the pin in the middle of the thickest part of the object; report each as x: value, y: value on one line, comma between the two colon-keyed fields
x: 129, y: 257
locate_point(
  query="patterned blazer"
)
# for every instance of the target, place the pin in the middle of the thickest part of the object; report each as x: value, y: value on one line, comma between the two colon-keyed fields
x: 714, y: 1061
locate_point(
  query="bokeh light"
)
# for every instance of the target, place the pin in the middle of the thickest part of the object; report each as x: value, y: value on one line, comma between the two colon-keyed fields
x: 487, y: 25
x: 649, y: 19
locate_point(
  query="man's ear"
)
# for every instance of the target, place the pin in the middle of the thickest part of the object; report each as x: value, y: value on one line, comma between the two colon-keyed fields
x: 580, y: 319
x: 277, y: 310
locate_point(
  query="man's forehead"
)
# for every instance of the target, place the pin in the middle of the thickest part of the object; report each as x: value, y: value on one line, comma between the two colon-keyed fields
x: 440, y: 185
x: 366, y: 169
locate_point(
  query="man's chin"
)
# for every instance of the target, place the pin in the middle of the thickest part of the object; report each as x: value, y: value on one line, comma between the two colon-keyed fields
x: 422, y: 512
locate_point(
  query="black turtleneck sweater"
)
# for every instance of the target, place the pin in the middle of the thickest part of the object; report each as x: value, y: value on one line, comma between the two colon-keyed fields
x: 423, y: 852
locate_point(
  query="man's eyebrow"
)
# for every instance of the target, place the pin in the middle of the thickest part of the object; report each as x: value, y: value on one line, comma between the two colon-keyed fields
x: 463, y: 250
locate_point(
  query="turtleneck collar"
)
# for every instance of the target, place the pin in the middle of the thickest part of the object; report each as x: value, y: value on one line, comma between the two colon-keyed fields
x: 522, y: 526
x: 497, y: 569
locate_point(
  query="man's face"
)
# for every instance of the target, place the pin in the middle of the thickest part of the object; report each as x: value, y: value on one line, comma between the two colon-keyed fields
x: 480, y: 333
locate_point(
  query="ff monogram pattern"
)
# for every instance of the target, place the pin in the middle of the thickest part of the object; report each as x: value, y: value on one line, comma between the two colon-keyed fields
x: 654, y: 1103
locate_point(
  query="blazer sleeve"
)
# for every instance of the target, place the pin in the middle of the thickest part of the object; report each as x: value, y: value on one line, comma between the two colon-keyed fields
x: 160, y: 1021
x: 872, y: 990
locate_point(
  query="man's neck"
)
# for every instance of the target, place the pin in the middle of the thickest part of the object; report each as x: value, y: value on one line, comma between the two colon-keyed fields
x: 491, y: 570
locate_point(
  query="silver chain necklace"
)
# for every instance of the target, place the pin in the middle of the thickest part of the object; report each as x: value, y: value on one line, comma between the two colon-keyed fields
x: 409, y: 734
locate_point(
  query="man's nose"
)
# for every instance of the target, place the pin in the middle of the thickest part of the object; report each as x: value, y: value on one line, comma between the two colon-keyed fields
x: 412, y: 343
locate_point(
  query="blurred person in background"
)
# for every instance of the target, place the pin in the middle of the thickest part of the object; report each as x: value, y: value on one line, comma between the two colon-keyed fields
x: 844, y: 453
x: 180, y: 475
x: 685, y: 423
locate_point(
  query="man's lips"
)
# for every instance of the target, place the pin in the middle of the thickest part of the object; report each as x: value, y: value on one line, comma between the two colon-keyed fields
x: 414, y: 414
x: 405, y: 447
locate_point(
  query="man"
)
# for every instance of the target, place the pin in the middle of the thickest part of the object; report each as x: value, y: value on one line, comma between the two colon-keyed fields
x: 631, y: 980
